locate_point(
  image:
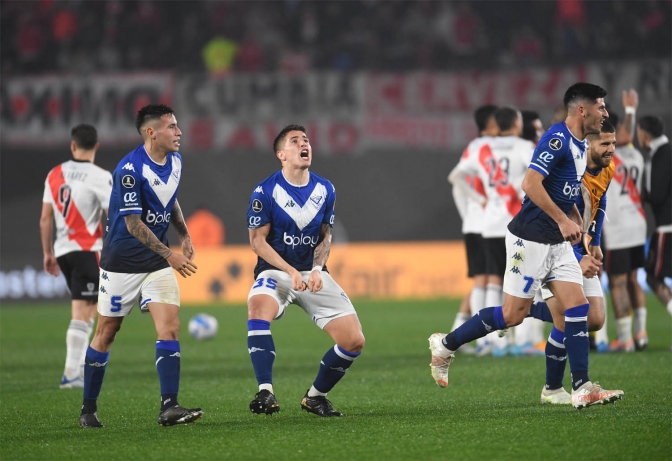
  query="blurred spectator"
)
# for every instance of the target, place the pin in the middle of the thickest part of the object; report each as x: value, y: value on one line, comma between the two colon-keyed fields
x: 218, y: 55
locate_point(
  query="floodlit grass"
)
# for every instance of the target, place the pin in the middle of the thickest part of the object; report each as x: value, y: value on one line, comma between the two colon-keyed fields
x: 393, y: 409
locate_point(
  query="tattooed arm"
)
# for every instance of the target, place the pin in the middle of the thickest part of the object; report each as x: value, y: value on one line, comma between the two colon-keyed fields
x: 177, y: 219
x: 140, y: 231
x: 320, y: 256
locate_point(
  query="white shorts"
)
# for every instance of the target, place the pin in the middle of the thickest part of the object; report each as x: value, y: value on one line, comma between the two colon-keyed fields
x: 592, y: 287
x: 531, y: 264
x: 328, y: 304
x: 119, y: 292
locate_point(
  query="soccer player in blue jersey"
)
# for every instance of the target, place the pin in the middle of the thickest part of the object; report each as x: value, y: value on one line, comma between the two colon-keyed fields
x: 538, y: 247
x: 136, y: 264
x: 290, y: 218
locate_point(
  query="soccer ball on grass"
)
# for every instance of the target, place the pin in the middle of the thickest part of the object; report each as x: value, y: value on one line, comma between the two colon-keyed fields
x: 203, y: 326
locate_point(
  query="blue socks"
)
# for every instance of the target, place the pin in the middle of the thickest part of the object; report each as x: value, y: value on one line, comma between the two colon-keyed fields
x: 262, y: 349
x: 577, y: 343
x: 556, y: 359
x: 540, y: 310
x: 333, y: 366
x: 168, y: 367
x: 94, y: 372
x: 487, y: 320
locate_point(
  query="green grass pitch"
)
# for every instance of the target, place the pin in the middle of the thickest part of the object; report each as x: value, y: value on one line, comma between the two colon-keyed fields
x: 393, y: 409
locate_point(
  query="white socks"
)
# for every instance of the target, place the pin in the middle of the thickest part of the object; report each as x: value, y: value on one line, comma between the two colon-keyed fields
x: 76, y: 340
x: 624, y: 329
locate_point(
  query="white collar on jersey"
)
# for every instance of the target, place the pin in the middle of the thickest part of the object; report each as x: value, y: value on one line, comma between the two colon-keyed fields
x: 295, y: 185
x: 152, y: 160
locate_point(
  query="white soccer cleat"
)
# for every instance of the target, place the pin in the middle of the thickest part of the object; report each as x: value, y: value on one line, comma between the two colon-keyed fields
x: 556, y: 396
x: 592, y: 394
x: 441, y: 359
x: 75, y: 383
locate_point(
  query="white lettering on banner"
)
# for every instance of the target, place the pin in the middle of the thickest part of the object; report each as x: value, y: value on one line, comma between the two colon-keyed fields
x: 42, y: 110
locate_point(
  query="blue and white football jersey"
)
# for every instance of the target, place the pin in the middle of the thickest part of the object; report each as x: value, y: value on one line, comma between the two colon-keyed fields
x: 140, y: 186
x: 295, y: 213
x: 561, y: 159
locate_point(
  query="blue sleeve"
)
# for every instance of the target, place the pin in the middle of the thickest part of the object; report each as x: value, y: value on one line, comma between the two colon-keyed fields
x: 546, y: 154
x: 330, y: 206
x: 578, y: 251
x: 128, y: 182
x: 596, y: 231
x: 259, y: 209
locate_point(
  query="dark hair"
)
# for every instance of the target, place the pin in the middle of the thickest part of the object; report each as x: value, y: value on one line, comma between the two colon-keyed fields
x: 506, y: 117
x: 281, y: 136
x: 85, y: 136
x: 529, y: 131
x: 151, y: 112
x: 652, y: 125
x: 607, y: 127
x: 482, y: 114
x: 583, y: 91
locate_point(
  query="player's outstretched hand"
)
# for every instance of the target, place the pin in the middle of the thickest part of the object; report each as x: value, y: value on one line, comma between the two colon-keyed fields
x: 570, y: 230
x: 315, y: 281
x: 297, y: 281
x: 182, y: 264
x: 188, y: 249
x: 630, y: 98
x: 51, y: 265
x: 589, y: 266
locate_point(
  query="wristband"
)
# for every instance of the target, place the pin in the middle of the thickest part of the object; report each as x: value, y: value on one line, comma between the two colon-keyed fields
x: 316, y: 268
x: 630, y: 110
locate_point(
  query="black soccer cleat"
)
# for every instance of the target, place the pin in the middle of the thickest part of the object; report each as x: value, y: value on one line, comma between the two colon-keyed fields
x: 320, y: 406
x: 264, y: 403
x: 90, y: 420
x: 179, y: 415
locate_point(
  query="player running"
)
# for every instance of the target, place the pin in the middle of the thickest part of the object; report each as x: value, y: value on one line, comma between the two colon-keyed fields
x: 290, y: 218
x: 538, y: 247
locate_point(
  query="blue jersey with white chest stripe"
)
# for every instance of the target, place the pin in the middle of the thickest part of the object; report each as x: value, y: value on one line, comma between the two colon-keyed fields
x: 295, y: 214
x: 140, y: 186
x: 561, y: 159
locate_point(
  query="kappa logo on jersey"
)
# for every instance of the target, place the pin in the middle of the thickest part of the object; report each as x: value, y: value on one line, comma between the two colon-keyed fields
x: 559, y: 133
x: 129, y: 166
x: 104, y: 276
x: 157, y: 182
x: 517, y: 257
x: 156, y: 217
x: 515, y: 270
x: 259, y: 190
x: 257, y: 206
x: 128, y: 181
x: 555, y: 144
x: 102, y: 289
x: 519, y: 243
x: 290, y: 203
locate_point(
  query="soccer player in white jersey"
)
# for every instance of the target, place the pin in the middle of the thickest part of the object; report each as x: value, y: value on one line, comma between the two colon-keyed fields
x: 470, y: 207
x: 290, y: 219
x: 76, y: 193
x: 625, y: 234
x: 538, y: 247
x: 500, y: 163
x: 137, y: 265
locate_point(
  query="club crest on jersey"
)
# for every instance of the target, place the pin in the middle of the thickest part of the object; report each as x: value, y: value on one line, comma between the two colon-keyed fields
x: 317, y: 200
x: 128, y: 181
x: 257, y: 206
x: 555, y: 144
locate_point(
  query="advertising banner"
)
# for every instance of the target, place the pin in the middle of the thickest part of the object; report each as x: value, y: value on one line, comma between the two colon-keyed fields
x: 364, y: 270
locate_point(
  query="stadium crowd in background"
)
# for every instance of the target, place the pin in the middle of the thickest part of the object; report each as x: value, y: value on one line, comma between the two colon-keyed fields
x: 294, y: 36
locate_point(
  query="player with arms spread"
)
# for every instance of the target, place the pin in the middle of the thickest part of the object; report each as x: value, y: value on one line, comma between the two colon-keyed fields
x: 76, y: 193
x: 290, y: 218
x: 137, y: 265
x: 538, y: 247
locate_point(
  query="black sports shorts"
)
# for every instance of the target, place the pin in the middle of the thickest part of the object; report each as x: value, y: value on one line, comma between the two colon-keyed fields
x: 80, y: 269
